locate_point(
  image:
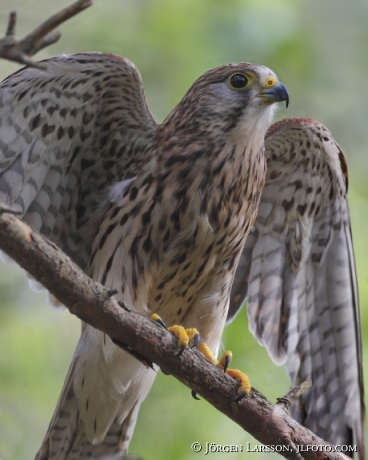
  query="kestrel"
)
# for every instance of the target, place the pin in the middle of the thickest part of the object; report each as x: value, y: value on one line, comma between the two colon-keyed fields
x: 161, y: 215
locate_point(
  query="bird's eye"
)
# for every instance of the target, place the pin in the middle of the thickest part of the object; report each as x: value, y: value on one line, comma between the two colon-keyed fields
x: 238, y: 81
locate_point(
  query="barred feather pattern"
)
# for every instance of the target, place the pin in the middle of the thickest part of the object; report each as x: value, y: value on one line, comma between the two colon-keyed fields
x: 297, y: 272
x: 67, y: 134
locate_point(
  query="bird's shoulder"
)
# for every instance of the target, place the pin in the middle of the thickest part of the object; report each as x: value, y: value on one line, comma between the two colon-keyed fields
x: 68, y: 133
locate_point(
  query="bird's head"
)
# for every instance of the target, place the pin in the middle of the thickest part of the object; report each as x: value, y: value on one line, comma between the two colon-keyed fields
x: 228, y: 100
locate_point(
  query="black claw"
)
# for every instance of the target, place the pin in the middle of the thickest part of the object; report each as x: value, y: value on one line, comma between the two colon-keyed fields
x: 227, y: 362
x: 239, y: 397
x: 181, y: 351
x: 160, y: 322
x: 122, y: 305
x: 194, y: 395
x: 195, y: 342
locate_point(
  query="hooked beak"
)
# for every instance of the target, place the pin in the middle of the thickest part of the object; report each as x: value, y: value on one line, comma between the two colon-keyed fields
x: 277, y: 93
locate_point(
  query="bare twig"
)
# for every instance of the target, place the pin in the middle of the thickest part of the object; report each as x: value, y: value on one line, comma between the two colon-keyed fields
x: 286, y: 401
x: 94, y: 304
x: 20, y: 51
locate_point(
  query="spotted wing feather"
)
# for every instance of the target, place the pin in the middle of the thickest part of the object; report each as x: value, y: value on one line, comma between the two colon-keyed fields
x: 297, y: 272
x: 72, y: 138
x: 66, y: 135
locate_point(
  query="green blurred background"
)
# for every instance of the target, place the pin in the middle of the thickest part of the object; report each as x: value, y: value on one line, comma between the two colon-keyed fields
x: 318, y: 49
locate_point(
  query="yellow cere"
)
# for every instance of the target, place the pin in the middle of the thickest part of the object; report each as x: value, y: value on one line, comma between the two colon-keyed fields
x: 271, y: 81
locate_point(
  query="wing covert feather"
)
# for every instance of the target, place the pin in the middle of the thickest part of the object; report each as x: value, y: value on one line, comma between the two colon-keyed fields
x: 297, y: 272
x: 66, y: 135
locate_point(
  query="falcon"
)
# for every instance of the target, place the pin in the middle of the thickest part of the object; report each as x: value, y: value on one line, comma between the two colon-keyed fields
x: 165, y: 216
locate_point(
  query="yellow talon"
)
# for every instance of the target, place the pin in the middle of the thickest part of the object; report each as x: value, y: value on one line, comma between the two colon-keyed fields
x: 223, y: 364
x: 181, y: 334
x: 191, y: 336
x: 225, y: 361
x: 186, y: 337
x: 242, y: 379
x: 205, y: 350
x: 157, y: 319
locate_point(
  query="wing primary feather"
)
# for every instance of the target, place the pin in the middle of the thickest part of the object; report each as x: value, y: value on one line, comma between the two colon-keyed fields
x: 303, y: 304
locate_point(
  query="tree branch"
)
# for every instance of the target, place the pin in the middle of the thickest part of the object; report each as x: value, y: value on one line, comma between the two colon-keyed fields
x: 42, y: 36
x: 97, y: 306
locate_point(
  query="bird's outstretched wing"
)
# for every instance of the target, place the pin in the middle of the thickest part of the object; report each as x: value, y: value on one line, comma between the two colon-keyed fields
x: 72, y: 139
x: 297, y: 272
x: 66, y: 135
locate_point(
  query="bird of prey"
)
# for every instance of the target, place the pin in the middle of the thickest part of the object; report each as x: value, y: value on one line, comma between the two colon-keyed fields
x: 165, y: 215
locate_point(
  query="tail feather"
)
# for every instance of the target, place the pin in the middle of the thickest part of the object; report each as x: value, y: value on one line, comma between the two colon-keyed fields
x: 112, y: 385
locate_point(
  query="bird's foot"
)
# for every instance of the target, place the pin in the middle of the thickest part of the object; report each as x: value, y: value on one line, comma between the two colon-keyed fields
x: 186, y: 337
x: 191, y: 338
x: 223, y: 363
